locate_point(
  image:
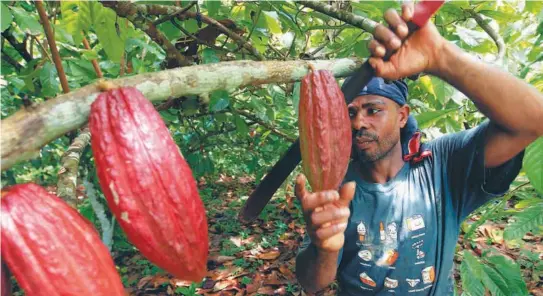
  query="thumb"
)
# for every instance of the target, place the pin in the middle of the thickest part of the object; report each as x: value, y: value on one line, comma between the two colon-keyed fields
x: 299, y: 187
x: 346, y: 193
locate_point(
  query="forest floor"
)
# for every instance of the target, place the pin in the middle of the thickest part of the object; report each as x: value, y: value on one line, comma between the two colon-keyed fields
x: 259, y: 259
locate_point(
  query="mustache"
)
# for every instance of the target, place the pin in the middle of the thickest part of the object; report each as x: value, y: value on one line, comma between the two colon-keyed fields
x: 364, y: 134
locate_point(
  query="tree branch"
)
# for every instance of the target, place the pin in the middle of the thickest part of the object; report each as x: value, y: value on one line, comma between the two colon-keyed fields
x: 132, y: 13
x: 173, y: 15
x: 20, y: 47
x: 52, y: 45
x: 67, y: 179
x: 493, y: 34
x: 93, y: 61
x: 29, y: 129
x: 366, y: 24
x: 269, y: 127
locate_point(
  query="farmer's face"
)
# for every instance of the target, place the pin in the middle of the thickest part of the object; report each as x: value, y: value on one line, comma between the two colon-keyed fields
x: 376, y: 123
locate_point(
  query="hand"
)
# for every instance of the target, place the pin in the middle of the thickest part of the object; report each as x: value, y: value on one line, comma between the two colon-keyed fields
x: 419, y: 53
x: 326, y: 214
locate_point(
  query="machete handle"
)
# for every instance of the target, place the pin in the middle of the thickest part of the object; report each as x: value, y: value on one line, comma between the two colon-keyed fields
x: 288, y: 162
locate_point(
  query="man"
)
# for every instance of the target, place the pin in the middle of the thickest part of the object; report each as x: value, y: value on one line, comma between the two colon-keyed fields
x: 393, y: 226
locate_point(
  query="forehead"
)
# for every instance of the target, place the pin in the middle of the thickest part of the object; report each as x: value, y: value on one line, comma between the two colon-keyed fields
x: 371, y: 99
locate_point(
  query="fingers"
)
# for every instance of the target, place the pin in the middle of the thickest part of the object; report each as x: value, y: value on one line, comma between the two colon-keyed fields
x: 387, y: 38
x: 330, y: 214
x: 396, y: 23
x: 299, y: 187
x: 408, y: 9
x: 346, y: 193
x: 314, y: 201
x: 327, y: 232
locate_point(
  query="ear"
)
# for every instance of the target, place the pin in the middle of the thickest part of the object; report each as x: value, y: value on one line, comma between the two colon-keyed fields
x: 403, y: 112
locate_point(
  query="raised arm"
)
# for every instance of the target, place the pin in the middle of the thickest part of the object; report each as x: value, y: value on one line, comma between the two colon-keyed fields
x: 514, y: 107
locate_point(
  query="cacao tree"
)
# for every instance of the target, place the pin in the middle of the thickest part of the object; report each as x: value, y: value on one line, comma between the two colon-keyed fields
x: 225, y: 78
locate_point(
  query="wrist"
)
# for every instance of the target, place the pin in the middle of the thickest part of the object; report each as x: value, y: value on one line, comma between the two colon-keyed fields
x: 324, y: 253
x: 445, y: 59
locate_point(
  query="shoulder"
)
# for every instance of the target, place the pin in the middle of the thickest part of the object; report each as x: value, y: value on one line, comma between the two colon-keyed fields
x: 472, y: 138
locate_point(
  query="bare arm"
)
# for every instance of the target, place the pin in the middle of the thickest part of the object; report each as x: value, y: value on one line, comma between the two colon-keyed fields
x: 325, y: 214
x: 316, y: 269
x: 514, y: 107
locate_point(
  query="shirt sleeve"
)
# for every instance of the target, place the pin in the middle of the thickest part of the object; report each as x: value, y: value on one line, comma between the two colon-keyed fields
x: 463, y: 167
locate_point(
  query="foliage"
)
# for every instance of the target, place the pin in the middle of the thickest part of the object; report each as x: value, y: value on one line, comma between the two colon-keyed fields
x: 243, y: 132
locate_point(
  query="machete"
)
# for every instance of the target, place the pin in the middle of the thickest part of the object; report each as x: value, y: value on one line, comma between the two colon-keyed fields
x: 288, y: 162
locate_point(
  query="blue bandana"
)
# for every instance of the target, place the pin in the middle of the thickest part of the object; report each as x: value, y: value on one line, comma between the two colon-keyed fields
x: 396, y: 91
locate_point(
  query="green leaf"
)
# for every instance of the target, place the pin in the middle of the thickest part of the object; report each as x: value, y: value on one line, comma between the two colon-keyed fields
x: 533, y: 164
x: 219, y: 100
x: 495, y: 282
x: 213, y: 7
x: 510, y: 271
x: 169, y: 117
x: 528, y: 219
x: 7, y: 17
x: 104, y: 26
x: 442, y: 90
x: 471, y: 285
x: 27, y: 21
x: 500, y: 15
x: 426, y: 119
x: 272, y: 21
x: 191, y: 25
x: 361, y: 49
x: 241, y: 126
x: 48, y: 79
x: 209, y: 56
x: 72, y: 20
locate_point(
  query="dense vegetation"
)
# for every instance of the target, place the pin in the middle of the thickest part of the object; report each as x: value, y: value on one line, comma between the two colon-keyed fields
x: 231, y: 137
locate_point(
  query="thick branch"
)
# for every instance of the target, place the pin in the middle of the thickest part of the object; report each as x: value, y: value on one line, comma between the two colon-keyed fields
x: 269, y: 127
x: 493, y: 34
x: 67, y: 179
x: 366, y: 24
x: 133, y: 10
x: 29, y: 129
x: 52, y: 46
x: 132, y: 13
x: 20, y: 47
x: 175, y: 14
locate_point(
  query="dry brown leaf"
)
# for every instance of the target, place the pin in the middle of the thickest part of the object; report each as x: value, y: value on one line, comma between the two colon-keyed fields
x: 225, y: 285
x: 221, y: 258
x: 271, y: 255
x: 287, y: 273
x: 144, y: 281
x: 268, y: 290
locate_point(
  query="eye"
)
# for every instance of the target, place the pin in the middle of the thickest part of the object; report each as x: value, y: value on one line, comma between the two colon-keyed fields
x: 352, y: 113
x: 373, y: 111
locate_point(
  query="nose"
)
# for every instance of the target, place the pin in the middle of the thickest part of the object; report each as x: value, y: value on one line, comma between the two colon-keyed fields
x: 359, y: 121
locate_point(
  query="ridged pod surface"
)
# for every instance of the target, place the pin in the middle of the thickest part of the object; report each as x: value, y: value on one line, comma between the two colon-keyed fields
x: 51, y: 249
x: 148, y: 184
x: 325, y: 131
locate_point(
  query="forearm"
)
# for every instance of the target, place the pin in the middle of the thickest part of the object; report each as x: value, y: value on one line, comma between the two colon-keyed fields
x: 510, y: 103
x: 316, y: 270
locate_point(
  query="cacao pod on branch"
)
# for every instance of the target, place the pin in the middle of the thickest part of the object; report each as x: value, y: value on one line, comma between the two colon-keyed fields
x: 325, y: 131
x: 148, y: 184
x: 51, y: 249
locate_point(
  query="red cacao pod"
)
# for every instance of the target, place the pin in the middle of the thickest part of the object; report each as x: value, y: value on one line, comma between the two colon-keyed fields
x: 148, y: 184
x: 51, y: 249
x: 325, y: 131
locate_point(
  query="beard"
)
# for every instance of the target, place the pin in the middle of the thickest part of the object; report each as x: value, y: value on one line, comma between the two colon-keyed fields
x: 383, y: 148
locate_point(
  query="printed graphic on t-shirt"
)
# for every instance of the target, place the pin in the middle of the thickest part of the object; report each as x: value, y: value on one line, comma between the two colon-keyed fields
x: 366, y: 256
x: 392, y: 232
x: 417, y: 246
x: 414, y: 223
x: 361, y: 229
x: 382, y: 234
x: 428, y: 275
x: 388, y: 258
x: 364, y: 278
x: 391, y: 283
x: 412, y: 282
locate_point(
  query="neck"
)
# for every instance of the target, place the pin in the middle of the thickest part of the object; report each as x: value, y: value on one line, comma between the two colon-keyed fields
x: 382, y: 170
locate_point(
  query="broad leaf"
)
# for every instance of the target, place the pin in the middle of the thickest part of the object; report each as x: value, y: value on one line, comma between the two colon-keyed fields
x: 241, y: 126
x: 442, y: 90
x: 272, y: 21
x: 48, y: 79
x: 526, y: 220
x: 426, y: 119
x: 533, y: 164
x: 7, y: 17
x: 27, y: 21
x: 72, y: 21
x: 296, y: 97
x: 494, y: 282
x: 104, y: 26
x: 510, y: 271
x: 471, y: 285
x: 209, y: 56
x: 213, y: 7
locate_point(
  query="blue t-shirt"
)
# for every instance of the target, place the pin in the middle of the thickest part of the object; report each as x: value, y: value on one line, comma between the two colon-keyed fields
x: 401, y: 235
